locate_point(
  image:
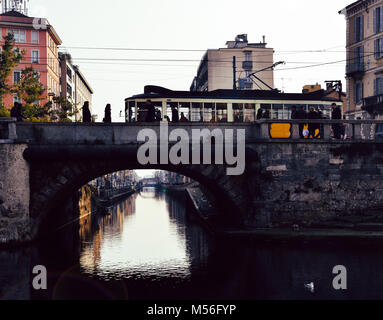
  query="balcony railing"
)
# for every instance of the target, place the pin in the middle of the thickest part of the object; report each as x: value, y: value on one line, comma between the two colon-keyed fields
x: 373, y: 103
x: 356, y: 67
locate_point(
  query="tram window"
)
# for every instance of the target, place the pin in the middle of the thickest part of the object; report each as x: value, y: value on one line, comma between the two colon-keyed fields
x: 131, y: 112
x: 209, y: 112
x: 169, y: 107
x: 238, y: 112
x: 277, y: 111
x: 196, y: 114
x: 142, y: 112
x: 326, y: 110
x: 265, y: 106
x: 249, y: 112
x: 221, y: 112
x: 185, y: 109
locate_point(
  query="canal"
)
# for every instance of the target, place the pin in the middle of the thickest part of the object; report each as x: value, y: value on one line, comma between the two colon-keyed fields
x: 149, y: 247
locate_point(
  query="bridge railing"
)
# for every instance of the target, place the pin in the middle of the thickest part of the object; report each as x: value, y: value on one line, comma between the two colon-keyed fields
x: 326, y: 129
x: 127, y: 133
x: 7, y: 130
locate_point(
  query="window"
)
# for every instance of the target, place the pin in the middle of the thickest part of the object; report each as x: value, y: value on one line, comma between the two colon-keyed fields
x: 238, y: 112
x: 16, y: 76
x: 196, y: 112
x: 358, y: 28
x: 35, y: 37
x: 358, y: 91
x: 69, y: 90
x: 16, y: 98
x: 69, y: 73
x: 359, y: 55
x: 378, y: 19
x: 378, y: 86
x: 35, y: 56
x: 209, y: 112
x: 378, y: 48
x: 221, y: 112
x: 18, y: 34
x: 247, y: 56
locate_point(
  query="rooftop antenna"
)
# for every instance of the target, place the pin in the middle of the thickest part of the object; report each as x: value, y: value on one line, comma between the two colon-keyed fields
x: 15, y: 5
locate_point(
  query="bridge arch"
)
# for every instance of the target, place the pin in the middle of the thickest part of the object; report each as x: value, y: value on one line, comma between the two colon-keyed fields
x: 53, y: 184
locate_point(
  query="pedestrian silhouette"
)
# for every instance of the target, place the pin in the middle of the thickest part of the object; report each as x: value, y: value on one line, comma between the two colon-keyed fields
x: 86, y: 116
x: 175, y: 116
x: 151, y: 111
x: 108, y: 114
x: 17, y: 112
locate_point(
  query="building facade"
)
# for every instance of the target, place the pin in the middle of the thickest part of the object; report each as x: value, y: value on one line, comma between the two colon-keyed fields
x: 217, y: 69
x: 83, y: 92
x: 364, y: 67
x: 41, y: 51
x: 74, y: 86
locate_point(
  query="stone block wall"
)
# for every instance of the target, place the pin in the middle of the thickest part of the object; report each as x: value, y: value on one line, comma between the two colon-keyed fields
x: 14, y: 194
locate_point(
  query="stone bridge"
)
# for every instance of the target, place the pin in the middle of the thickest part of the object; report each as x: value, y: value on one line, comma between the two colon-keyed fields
x: 286, y: 181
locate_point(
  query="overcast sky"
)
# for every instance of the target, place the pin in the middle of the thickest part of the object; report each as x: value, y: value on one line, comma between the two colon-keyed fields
x: 293, y: 28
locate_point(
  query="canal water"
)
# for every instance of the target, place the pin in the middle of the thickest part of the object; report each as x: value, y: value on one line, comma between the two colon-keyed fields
x: 150, y: 248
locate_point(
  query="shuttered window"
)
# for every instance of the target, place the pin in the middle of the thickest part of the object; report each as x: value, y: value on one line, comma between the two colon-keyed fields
x: 358, y: 28
x: 378, y: 19
x: 358, y: 91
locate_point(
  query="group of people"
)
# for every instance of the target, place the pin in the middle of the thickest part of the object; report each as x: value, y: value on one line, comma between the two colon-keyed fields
x: 263, y: 114
x: 314, y: 130
x: 149, y: 113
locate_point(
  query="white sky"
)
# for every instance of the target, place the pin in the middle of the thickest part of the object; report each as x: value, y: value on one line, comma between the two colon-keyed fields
x: 293, y: 25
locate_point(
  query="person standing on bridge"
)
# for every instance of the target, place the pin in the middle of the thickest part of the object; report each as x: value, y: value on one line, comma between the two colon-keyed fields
x: 17, y: 112
x: 175, y: 116
x: 86, y: 116
x: 336, y: 114
x: 151, y: 111
x: 108, y: 114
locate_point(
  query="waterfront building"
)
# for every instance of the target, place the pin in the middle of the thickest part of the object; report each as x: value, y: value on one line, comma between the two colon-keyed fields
x: 74, y: 86
x: 216, y: 69
x: 40, y: 43
x: 364, y: 68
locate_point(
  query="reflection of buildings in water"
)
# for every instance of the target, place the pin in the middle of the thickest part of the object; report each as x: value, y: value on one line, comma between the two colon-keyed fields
x: 196, y: 238
x: 198, y: 245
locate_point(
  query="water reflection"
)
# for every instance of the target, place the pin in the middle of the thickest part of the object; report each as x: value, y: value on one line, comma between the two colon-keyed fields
x: 139, y: 239
x: 147, y: 248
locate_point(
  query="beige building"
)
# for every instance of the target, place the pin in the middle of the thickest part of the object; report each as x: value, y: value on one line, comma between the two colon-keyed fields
x: 364, y: 69
x: 217, y: 67
x: 83, y: 92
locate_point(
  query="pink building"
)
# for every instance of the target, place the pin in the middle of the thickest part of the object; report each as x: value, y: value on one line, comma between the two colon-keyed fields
x: 40, y: 42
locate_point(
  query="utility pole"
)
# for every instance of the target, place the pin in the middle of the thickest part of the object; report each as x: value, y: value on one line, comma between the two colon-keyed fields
x: 234, y: 73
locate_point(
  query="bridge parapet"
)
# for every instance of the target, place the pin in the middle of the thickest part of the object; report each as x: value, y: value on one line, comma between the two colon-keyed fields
x: 7, y: 130
x: 123, y: 133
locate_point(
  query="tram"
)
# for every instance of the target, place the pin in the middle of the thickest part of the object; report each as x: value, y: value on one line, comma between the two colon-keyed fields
x: 224, y: 105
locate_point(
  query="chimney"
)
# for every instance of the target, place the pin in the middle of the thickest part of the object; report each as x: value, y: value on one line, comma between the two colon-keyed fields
x: 264, y: 39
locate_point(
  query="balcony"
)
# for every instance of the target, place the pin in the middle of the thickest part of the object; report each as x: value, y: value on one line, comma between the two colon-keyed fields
x: 373, y: 104
x: 355, y: 69
x: 247, y: 65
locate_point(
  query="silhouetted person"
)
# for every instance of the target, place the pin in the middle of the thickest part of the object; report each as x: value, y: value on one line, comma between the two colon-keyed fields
x: 259, y: 113
x: 175, y: 116
x: 294, y: 112
x: 86, y: 116
x: 17, y: 112
x: 158, y: 114
x: 167, y: 118
x: 312, y: 126
x: 300, y: 115
x: 266, y: 115
x: 151, y: 111
x: 336, y: 114
x: 108, y: 114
